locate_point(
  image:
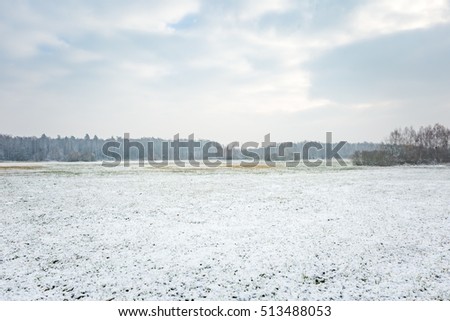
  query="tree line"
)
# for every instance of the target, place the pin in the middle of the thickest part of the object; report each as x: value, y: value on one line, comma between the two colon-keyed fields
x: 72, y: 149
x: 427, y: 145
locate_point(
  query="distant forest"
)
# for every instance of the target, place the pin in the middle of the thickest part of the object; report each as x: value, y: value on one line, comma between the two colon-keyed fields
x: 427, y: 145
x: 71, y: 149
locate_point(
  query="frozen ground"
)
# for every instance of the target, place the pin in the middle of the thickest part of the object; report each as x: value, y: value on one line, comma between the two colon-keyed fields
x: 80, y: 231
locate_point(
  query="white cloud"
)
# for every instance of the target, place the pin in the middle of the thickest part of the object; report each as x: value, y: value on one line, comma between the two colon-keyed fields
x: 25, y: 44
x: 377, y: 104
x: 143, y: 16
x: 385, y: 17
x: 145, y: 70
x: 253, y: 9
x: 82, y: 56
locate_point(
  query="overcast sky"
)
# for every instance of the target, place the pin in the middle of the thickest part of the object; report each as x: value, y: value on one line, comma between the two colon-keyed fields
x: 224, y: 70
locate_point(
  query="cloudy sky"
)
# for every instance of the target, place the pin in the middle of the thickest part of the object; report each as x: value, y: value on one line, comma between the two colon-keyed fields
x: 224, y: 70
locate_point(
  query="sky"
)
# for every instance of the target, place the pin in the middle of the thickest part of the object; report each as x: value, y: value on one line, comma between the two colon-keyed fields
x: 224, y: 70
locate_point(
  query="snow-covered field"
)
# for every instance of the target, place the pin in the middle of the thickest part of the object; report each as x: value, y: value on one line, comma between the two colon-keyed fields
x: 81, y: 231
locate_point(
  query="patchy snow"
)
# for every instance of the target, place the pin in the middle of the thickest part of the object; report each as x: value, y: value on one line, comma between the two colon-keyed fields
x: 81, y: 231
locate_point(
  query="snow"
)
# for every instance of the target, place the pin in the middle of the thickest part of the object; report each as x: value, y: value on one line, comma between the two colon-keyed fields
x: 82, y: 231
